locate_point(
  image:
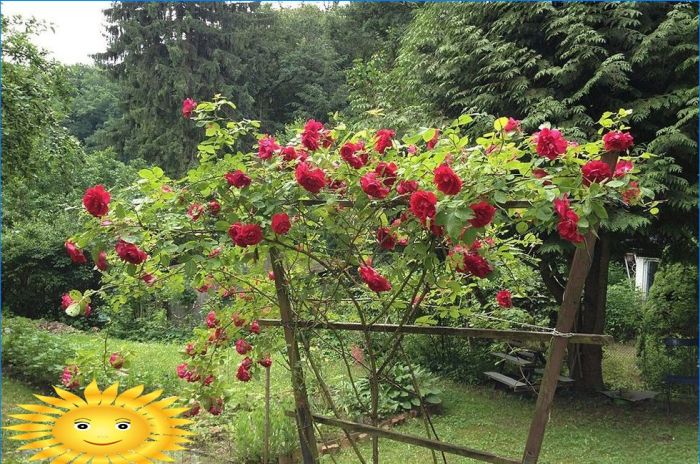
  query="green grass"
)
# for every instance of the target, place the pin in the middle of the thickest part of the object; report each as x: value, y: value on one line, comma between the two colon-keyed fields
x: 13, y: 393
x: 581, y: 431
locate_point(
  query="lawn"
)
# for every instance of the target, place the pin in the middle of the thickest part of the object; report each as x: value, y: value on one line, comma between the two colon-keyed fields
x: 582, y: 430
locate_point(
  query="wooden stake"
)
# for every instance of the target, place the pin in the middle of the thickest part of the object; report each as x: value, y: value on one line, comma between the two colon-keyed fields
x: 266, y: 437
x: 578, y: 272
x: 305, y: 427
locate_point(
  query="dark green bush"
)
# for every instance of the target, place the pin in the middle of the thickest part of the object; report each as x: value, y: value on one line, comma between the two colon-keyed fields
x: 624, y: 311
x: 670, y: 311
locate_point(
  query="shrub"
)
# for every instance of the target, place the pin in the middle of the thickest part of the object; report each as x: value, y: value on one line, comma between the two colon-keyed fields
x: 670, y: 311
x: 623, y: 312
x: 461, y: 359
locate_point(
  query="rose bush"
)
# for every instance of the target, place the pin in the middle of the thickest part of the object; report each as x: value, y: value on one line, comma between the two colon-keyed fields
x: 384, y: 227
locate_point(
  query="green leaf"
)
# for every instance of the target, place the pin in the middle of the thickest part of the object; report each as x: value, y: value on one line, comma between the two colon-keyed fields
x: 521, y: 228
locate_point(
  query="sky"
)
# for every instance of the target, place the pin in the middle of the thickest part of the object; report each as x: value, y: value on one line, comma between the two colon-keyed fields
x: 79, y: 26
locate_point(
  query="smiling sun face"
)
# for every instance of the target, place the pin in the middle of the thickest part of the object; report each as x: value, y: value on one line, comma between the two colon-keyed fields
x: 103, y: 428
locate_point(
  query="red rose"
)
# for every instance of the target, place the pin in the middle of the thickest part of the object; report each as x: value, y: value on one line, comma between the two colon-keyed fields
x: 271, y: 276
x: 562, y: 205
x: 243, y: 374
x: 289, y: 153
x: 617, y: 141
x: 622, y: 168
x: 550, y: 143
x: 407, y: 186
x: 149, y: 279
x: 568, y: 227
x: 195, y: 211
x: 446, y: 180
x: 130, y: 253
x: 311, y: 135
x: 116, y: 360
x: 101, y: 262
x: 512, y: 125
x: 217, y: 407
x: 266, y: 147
x: 483, y: 214
x: 374, y: 280
x: 96, y: 200
x: 631, y: 194
x: 373, y: 186
x: 386, y: 171
x: 214, y: 207
x: 247, y: 362
x: 412, y: 149
x: 211, y: 321
x: 208, y: 380
x: 76, y: 254
x: 539, y: 173
x: 243, y: 347
x: 280, y: 223
x: 255, y: 327
x: 386, y: 238
x: 476, y: 265
x: 265, y: 362
x: 188, y: 106
x: 430, y: 144
x: 311, y: 179
x: 66, y: 301
x: 504, y: 299
x: 422, y: 204
x: 238, y: 179
x: 595, y: 171
x: 237, y: 320
x: 382, y: 140
x: 347, y: 152
x: 245, y: 235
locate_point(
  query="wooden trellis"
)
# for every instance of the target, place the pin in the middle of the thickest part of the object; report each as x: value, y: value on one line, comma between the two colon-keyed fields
x: 558, y: 340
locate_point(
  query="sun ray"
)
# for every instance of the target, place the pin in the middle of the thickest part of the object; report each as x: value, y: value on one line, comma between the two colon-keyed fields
x: 103, y: 427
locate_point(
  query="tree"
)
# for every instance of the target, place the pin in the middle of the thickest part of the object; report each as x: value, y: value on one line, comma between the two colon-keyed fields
x: 563, y: 63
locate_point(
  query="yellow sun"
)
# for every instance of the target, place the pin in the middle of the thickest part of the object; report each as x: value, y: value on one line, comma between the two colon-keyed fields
x: 103, y: 428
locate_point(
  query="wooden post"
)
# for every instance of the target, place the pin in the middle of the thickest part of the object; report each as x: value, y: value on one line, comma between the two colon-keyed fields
x: 266, y: 432
x: 578, y: 272
x: 307, y: 439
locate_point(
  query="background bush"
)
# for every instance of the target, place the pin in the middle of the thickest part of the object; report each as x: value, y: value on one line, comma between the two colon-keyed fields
x: 624, y: 310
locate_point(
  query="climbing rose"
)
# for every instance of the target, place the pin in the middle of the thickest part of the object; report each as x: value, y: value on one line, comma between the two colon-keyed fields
x: 243, y: 347
x: 562, y: 205
x: 76, y: 254
x: 267, y: 145
x: 237, y: 320
x: 347, y: 152
x: 238, y: 179
x: 116, y: 360
x: 245, y: 235
x: 266, y: 361
x: 130, y: 253
x: 149, y: 279
x: 69, y: 378
x: 550, y: 143
x: 568, y: 227
x: 247, y: 362
x: 386, y: 238
x: 631, y: 194
x: 214, y: 207
x: 476, y: 265
x: 311, y: 135
x: 311, y: 179
x: 211, y: 320
x: 243, y: 374
x: 446, y: 180
x: 512, y: 125
x: 373, y: 186
x: 382, y: 140
x: 595, y: 171
x: 623, y: 167
x: 255, y: 327
x: 208, y: 380
x: 422, y: 204
x: 96, y: 200
x: 386, y: 171
x: 188, y: 106
x: 280, y: 223
x: 430, y: 144
x: 407, y: 186
x: 66, y: 301
x: 190, y: 350
x: 539, y: 173
x: 101, y: 262
x: 483, y: 214
x: 617, y: 141
x: 504, y: 299
x: 374, y: 280
x: 217, y: 407
x: 195, y: 211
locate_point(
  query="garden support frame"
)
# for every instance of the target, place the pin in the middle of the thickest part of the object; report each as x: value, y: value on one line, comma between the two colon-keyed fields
x: 558, y: 340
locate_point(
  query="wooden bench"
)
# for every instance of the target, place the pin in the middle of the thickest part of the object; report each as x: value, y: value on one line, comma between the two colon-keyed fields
x: 520, y: 362
x: 564, y: 380
x: 510, y: 382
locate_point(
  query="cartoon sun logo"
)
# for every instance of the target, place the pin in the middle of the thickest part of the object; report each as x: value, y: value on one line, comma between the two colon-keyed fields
x: 103, y: 428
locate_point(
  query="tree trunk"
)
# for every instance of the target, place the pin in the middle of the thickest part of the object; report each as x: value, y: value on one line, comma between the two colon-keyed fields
x: 586, y: 361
